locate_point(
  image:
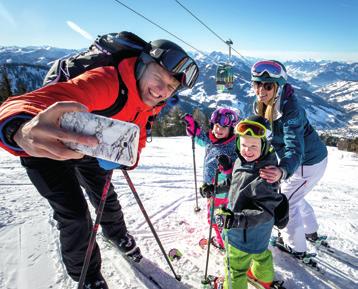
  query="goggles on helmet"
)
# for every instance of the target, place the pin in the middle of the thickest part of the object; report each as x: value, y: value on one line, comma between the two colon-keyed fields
x: 251, y: 128
x: 224, y: 119
x: 272, y: 68
x: 179, y: 63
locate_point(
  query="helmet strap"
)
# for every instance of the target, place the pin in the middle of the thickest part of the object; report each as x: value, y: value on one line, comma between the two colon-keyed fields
x: 143, y: 60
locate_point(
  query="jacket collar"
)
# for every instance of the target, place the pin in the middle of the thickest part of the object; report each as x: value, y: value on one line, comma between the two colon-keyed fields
x: 269, y: 159
x: 215, y: 140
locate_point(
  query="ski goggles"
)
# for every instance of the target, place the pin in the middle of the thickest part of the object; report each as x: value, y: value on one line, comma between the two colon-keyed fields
x: 179, y: 63
x: 252, y: 128
x: 225, y: 120
x: 266, y: 85
x: 273, y: 69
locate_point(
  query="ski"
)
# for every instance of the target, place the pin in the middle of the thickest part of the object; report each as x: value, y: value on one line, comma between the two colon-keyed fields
x: 320, y: 242
x: 321, y: 274
x: 308, y: 260
x: 343, y: 257
x: 147, y: 271
x: 214, y: 282
x: 203, y: 243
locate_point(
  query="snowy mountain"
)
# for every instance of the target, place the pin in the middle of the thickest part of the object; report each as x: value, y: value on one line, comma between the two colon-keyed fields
x: 42, y: 55
x: 322, y: 113
x: 27, y: 67
x: 30, y: 251
x: 322, y: 73
x: 344, y: 94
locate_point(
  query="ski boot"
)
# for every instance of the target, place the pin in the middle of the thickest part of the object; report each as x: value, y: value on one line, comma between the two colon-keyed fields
x: 203, y: 243
x: 216, y: 244
x: 265, y: 285
x: 127, y: 245
x: 306, y: 258
x: 276, y: 284
x: 213, y: 282
x: 317, y: 240
x: 95, y: 282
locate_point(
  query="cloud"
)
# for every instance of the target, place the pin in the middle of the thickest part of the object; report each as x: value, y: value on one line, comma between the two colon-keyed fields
x: 4, y: 13
x: 79, y: 30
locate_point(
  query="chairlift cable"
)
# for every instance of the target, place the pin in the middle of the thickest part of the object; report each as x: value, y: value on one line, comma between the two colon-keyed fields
x: 172, y: 34
x: 212, y: 31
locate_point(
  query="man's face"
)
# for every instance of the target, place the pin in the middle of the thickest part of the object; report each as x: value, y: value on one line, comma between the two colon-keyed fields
x: 156, y: 84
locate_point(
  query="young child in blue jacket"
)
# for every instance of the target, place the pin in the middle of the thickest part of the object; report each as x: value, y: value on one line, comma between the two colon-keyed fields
x: 219, y: 140
x: 251, y: 212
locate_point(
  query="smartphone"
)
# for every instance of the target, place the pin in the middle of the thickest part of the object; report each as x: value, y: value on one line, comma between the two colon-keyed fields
x: 118, y: 140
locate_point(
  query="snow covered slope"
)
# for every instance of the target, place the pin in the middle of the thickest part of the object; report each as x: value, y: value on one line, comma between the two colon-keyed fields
x: 29, y: 255
x: 344, y: 94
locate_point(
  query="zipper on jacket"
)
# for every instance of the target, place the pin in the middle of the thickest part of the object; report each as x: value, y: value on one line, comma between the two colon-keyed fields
x: 135, y: 117
x: 245, y: 227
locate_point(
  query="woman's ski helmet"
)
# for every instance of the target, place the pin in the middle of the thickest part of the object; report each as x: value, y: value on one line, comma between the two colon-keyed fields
x: 269, y: 71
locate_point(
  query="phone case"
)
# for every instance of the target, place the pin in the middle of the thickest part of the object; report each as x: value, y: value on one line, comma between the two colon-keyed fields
x: 118, y: 140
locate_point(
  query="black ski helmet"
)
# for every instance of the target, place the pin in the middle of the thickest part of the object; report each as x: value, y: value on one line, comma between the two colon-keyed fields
x: 171, y: 57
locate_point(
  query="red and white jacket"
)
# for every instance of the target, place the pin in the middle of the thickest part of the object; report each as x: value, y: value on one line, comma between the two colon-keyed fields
x: 98, y: 89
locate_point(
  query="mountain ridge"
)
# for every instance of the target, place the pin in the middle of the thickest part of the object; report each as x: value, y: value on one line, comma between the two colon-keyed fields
x: 312, y: 81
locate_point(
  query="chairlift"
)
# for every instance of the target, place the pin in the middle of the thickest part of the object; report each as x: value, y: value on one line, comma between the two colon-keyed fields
x: 224, y: 74
x: 224, y: 77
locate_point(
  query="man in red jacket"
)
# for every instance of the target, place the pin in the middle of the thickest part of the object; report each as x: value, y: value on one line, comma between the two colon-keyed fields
x: 29, y: 128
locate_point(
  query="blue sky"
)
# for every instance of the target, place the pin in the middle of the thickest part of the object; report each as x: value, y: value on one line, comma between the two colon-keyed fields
x: 278, y: 29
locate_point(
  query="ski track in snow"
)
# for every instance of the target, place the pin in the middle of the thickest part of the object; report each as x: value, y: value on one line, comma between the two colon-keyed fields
x: 30, y: 250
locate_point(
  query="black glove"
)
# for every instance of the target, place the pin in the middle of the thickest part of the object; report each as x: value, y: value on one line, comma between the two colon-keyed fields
x: 224, y: 163
x: 224, y: 218
x: 207, y: 190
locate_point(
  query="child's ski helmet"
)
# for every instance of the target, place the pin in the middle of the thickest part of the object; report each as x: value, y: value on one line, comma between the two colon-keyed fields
x: 255, y: 126
x: 224, y: 117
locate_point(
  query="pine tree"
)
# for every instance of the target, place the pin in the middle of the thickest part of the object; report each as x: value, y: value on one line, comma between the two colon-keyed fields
x: 201, y: 118
x: 20, y: 87
x: 169, y: 124
x: 5, y: 85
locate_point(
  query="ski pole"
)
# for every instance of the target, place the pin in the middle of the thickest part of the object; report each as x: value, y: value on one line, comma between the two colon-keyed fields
x: 212, y: 202
x: 92, y: 239
x: 227, y: 258
x: 136, y: 196
x: 196, y: 209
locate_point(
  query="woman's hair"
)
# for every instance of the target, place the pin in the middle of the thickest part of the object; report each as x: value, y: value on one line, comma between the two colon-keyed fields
x: 266, y: 111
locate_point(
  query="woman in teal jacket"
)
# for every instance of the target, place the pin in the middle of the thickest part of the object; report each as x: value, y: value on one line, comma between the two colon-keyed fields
x: 302, y: 155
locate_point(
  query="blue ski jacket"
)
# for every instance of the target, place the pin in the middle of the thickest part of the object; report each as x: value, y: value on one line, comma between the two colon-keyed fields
x: 295, y: 141
x: 213, y: 148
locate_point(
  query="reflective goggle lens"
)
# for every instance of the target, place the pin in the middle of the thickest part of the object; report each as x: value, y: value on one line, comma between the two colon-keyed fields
x: 272, y: 68
x: 250, y: 128
x: 181, y: 65
x: 224, y: 120
x: 266, y: 85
